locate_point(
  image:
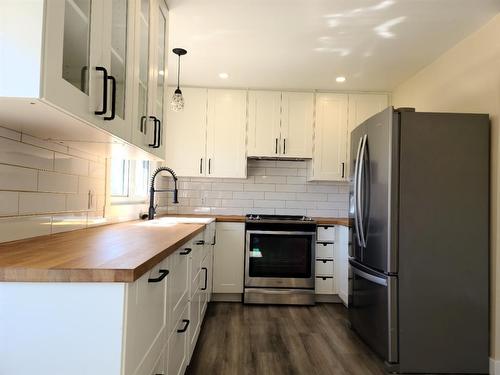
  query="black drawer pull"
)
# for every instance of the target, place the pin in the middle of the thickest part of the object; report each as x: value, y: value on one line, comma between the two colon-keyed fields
x: 104, y: 91
x: 113, y: 99
x: 206, y: 278
x: 184, y: 329
x: 200, y: 242
x: 324, y: 277
x: 163, y: 274
x: 186, y: 251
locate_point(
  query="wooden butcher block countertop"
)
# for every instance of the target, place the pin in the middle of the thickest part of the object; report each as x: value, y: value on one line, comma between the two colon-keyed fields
x: 111, y: 253
x: 241, y: 219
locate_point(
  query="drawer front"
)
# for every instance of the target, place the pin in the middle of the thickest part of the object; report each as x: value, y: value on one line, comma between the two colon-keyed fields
x: 209, y: 234
x: 197, y: 255
x: 324, y: 251
x: 326, y: 233
x: 324, y: 267
x: 325, y: 285
x: 178, y: 285
x: 177, y: 345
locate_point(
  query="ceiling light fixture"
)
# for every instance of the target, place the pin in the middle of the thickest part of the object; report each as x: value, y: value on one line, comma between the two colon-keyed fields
x: 223, y: 75
x: 340, y: 79
x: 177, y: 102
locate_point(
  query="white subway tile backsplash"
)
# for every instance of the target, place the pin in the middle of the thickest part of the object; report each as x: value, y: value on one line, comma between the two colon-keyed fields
x: 78, y: 202
x: 69, y: 164
x: 16, y: 228
x: 57, y: 182
x: 39, y: 203
x: 25, y: 138
x: 97, y: 170
x: 272, y: 186
x: 24, y: 155
x: 269, y: 203
x: 248, y: 195
x: 9, y: 203
x: 17, y: 178
x: 237, y: 203
x: 323, y: 213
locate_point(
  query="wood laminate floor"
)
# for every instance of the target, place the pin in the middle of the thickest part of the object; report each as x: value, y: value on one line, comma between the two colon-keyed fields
x: 239, y: 339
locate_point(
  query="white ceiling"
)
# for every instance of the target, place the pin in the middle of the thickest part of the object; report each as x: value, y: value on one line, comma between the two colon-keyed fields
x: 305, y: 44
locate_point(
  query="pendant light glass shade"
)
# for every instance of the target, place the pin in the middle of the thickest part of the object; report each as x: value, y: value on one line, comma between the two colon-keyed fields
x: 177, y: 102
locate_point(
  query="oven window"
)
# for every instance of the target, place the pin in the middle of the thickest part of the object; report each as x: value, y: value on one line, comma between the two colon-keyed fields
x: 285, y: 256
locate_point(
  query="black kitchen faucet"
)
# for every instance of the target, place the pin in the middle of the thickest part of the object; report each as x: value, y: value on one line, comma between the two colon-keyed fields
x: 152, y: 190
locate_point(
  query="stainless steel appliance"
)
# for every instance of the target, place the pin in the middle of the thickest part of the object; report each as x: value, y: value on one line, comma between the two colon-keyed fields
x: 419, y: 258
x: 279, y: 259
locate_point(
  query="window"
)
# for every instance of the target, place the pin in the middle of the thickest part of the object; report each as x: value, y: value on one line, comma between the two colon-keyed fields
x: 129, y: 180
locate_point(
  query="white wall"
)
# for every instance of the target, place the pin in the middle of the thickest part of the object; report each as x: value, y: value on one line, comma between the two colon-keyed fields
x: 466, y: 78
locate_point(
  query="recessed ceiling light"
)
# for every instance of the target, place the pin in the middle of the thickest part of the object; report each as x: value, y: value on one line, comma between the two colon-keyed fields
x: 340, y: 79
x: 223, y: 75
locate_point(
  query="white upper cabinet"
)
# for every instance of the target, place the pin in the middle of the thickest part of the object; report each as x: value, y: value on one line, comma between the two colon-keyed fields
x: 280, y: 124
x: 72, y: 68
x: 264, y: 118
x: 361, y: 108
x: 185, y: 134
x: 151, y: 44
x: 330, y: 140
x: 226, y: 127
x: 297, y: 116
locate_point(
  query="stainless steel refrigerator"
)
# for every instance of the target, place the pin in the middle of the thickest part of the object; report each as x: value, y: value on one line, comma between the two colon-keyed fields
x: 419, y: 254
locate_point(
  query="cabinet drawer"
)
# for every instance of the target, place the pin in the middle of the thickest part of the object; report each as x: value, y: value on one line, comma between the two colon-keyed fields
x: 325, y: 285
x: 324, y: 250
x: 324, y: 267
x: 325, y: 233
x: 178, y: 285
x: 197, y: 255
x: 177, y: 354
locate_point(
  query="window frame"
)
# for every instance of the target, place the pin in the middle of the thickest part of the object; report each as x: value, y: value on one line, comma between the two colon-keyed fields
x: 132, y: 196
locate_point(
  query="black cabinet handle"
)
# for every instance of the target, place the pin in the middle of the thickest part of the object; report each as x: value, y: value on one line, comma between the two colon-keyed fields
x: 155, y: 131
x: 158, y: 137
x: 209, y: 162
x: 201, y: 165
x: 284, y: 145
x: 324, y: 277
x: 113, y: 99
x: 163, y: 274
x: 206, y: 278
x: 104, y: 90
x: 343, y: 170
x: 184, y: 329
x: 186, y: 251
x: 276, y: 147
x: 200, y: 242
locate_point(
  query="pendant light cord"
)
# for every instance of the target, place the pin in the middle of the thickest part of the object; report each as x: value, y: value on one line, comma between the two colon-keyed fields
x: 178, y: 71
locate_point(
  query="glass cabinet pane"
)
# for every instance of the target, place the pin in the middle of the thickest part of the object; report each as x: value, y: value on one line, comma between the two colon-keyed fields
x: 76, y: 48
x: 160, y: 85
x: 119, y: 52
x: 143, y: 63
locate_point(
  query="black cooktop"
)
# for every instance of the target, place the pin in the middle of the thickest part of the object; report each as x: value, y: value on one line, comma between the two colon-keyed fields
x: 298, y: 218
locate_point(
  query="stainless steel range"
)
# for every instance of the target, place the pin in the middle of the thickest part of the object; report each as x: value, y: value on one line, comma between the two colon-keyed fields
x: 279, y: 259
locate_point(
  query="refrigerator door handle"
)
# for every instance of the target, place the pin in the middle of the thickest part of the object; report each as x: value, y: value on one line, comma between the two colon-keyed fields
x: 359, y: 203
x: 356, y: 185
x: 367, y: 276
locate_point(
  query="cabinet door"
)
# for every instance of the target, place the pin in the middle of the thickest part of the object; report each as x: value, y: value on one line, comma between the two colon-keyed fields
x: 330, y: 138
x: 145, y: 314
x: 159, y: 71
x: 297, y: 124
x: 176, y: 362
x: 226, y: 133
x: 341, y: 263
x: 362, y: 107
x: 142, y: 125
x: 117, y: 56
x: 72, y: 51
x: 186, y: 134
x: 229, y: 258
x: 178, y: 285
x: 263, y: 134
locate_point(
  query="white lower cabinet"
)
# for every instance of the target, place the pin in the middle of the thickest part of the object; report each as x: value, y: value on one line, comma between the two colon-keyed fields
x: 229, y: 255
x: 332, y: 263
x: 147, y: 327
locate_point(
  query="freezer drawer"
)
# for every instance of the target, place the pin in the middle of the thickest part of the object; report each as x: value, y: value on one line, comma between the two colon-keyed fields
x: 373, y: 310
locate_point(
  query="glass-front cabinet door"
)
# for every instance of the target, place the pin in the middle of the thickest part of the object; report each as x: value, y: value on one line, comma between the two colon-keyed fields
x: 72, y: 53
x: 117, y: 58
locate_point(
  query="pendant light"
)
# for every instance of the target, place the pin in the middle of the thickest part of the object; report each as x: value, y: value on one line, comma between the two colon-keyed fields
x: 177, y: 102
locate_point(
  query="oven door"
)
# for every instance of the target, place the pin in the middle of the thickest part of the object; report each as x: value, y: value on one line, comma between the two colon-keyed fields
x: 279, y: 259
